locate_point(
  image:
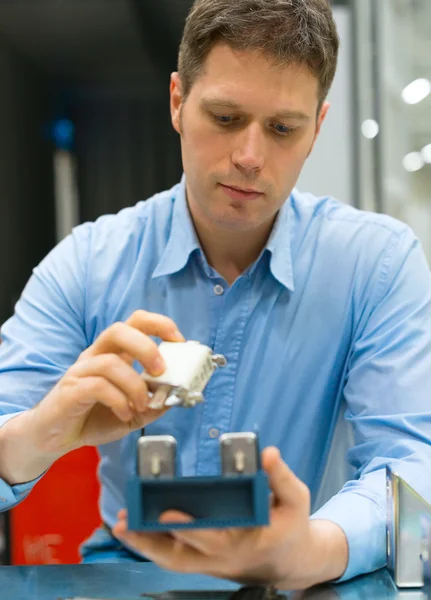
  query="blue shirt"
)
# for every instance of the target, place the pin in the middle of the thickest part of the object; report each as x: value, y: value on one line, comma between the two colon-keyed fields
x: 334, y: 315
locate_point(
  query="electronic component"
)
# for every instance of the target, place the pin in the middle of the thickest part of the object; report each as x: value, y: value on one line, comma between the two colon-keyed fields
x: 238, y: 496
x: 157, y: 456
x: 189, y: 367
x: 239, y: 453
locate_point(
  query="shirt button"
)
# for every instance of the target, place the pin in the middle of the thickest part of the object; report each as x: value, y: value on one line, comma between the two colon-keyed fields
x: 218, y: 290
x: 213, y: 433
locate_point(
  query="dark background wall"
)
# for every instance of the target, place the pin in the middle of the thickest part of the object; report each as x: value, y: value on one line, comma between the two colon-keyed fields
x: 26, y: 179
x: 106, y: 67
x: 126, y: 150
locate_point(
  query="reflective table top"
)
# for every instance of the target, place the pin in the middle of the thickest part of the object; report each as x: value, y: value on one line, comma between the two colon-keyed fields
x: 145, y: 580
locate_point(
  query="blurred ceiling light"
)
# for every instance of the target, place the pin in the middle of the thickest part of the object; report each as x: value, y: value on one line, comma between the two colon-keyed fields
x: 416, y: 91
x: 426, y: 153
x: 370, y: 128
x: 413, y: 162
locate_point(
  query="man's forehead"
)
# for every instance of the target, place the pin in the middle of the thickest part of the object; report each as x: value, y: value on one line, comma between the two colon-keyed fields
x: 221, y: 101
x: 232, y: 78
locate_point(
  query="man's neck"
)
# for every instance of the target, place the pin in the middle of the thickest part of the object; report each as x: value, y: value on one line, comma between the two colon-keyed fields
x: 229, y: 251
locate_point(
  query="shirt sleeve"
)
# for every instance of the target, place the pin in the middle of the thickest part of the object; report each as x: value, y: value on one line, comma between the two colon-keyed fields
x: 44, y: 337
x: 387, y: 394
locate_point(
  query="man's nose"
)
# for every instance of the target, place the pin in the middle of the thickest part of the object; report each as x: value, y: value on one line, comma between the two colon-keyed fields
x: 248, y: 154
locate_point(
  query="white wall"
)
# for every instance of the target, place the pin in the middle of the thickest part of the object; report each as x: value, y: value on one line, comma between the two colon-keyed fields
x: 328, y: 171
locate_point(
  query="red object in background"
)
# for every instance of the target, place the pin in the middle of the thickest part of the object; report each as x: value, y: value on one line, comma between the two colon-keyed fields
x: 60, y: 512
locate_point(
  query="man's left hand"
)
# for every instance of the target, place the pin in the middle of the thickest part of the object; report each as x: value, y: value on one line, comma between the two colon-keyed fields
x: 292, y: 552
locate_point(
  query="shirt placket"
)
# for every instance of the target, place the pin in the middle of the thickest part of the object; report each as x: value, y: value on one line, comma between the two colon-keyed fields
x: 229, y: 308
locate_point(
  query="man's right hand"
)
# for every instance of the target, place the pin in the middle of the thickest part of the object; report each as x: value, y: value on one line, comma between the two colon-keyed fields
x: 100, y: 399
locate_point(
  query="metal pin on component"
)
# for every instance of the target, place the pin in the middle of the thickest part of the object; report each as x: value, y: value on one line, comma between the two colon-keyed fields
x: 239, y: 458
x: 219, y: 360
x: 194, y: 398
x: 182, y: 398
x: 174, y: 400
x: 155, y: 465
x: 159, y: 397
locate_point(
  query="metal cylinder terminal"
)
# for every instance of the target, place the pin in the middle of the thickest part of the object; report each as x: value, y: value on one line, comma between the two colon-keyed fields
x: 219, y: 360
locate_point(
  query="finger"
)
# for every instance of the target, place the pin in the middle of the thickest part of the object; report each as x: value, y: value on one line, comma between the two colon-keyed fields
x: 122, y: 514
x: 287, y: 488
x: 163, y: 549
x: 121, y: 337
x: 140, y: 420
x: 202, y: 540
x: 128, y: 358
x: 211, y: 542
x: 156, y: 325
x: 98, y: 389
x: 115, y: 370
x: 175, y: 516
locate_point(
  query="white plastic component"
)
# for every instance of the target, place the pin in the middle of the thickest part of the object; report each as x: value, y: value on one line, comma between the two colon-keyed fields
x: 189, y: 367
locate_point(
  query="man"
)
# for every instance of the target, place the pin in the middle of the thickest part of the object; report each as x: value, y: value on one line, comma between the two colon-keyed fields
x: 313, y: 303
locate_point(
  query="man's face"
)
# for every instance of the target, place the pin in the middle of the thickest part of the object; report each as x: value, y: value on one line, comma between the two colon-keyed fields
x: 249, y: 125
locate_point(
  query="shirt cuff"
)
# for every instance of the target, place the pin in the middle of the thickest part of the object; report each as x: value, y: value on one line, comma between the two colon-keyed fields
x: 10, y: 495
x: 364, y: 524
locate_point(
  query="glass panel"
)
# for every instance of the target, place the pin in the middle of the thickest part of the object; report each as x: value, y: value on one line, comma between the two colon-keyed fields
x: 393, y: 51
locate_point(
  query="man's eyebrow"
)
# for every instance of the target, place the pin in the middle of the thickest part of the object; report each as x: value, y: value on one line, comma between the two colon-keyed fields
x: 210, y: 102
x: 292, y: 114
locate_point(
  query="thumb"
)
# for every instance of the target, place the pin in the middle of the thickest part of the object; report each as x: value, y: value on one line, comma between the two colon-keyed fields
x: 287, y: 488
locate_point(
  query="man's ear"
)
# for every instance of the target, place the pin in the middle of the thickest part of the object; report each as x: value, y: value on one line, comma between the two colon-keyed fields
x: 321, y: 117
x: 176, y: 101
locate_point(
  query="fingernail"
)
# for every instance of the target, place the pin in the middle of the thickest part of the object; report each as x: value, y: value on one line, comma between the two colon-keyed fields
x: 178, y: 336
x: 158, y: 366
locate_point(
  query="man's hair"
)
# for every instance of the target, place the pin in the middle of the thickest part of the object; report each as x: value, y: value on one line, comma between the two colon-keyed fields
x: 286, y: 31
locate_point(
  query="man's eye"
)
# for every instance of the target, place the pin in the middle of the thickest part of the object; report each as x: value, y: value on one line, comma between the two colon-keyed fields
x: 283, y: 129
x: 224, y: 119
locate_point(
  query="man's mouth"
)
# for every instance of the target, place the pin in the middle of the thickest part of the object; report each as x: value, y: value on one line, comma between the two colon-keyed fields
x: 240, y: 193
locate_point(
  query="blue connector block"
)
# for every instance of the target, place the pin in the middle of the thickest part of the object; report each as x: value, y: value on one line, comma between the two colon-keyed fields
x: 213, y: 502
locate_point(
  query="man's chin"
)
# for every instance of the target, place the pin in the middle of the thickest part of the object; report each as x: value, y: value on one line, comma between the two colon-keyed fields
x: 235, y: 224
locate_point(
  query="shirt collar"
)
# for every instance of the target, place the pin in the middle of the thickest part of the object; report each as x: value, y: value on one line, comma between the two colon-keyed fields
x: 183, y: 241
x: 278, y: 245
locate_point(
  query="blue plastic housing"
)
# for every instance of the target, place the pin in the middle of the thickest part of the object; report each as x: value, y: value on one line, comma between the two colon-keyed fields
x: 215, y: 502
